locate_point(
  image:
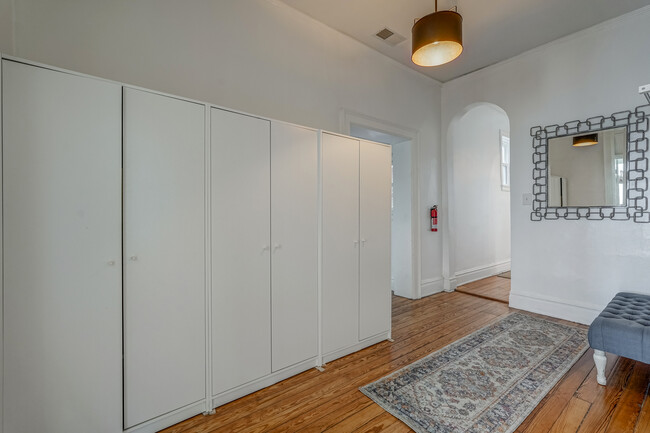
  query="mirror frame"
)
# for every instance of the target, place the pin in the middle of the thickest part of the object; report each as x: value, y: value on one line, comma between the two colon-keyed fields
x: 636, y: 167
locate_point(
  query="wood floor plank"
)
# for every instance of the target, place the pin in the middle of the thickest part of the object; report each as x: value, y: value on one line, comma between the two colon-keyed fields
x: 378, y: 424
x: 588, y: 391
x: 494, y: 288
x: 330, y: 401
x: 643, y: 422
x: 357, y: 421
x: 607, y: 397
x: 626, y: 412
x: 451, y: 304
x: 549, y: 409
x: 437, y: 315
x: 339, y: 410
x: 571, y: 417
x: 397, y: 427
x: 443, y: 320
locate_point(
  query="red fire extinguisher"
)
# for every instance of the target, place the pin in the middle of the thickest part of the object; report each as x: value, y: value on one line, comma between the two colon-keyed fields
x: 434, y: 219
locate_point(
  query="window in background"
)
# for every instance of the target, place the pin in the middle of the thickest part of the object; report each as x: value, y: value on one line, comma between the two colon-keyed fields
x: 504, y: 144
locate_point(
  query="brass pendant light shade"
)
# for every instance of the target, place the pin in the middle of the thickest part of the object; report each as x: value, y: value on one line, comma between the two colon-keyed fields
x: 437, y: 38
x: 585, y: 140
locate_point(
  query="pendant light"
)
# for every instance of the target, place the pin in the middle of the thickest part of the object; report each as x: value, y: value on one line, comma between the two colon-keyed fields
x: 585, y: 140
x: 437, y: 38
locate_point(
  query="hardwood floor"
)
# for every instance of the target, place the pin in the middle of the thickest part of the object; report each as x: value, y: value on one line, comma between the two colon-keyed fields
x: 494, y: 288
x: 330, y: 401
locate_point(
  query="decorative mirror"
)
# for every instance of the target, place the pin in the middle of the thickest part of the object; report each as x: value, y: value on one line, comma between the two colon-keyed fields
x: 593, y: 169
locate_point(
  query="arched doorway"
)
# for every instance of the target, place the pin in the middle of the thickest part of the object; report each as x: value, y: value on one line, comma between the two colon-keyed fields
x: 478, y: 161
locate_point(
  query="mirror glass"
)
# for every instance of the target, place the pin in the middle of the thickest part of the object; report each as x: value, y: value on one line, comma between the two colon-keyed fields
x: 584, y: 173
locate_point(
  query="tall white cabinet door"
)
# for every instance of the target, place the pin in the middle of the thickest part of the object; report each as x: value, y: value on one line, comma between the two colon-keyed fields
x: 374, y: 223
x: 62, y: 252
x: 294, y: 244
x: 340, y: 272
x: 241, y: 249
x: 164, y: 247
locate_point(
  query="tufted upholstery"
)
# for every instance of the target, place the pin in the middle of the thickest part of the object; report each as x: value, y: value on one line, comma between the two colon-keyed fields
x: 623, y: 328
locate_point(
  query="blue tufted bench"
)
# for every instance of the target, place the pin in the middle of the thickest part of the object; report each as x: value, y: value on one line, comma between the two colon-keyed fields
x: 623, y: 328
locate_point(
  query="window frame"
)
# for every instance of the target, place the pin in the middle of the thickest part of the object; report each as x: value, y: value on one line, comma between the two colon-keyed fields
x: 505, y: 183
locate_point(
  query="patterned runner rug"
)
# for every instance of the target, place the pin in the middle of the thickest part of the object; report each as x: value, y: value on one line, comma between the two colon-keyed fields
x: 486, y: 382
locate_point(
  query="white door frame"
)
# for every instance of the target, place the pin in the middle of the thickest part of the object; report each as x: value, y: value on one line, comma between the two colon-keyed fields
x: 348, y: 117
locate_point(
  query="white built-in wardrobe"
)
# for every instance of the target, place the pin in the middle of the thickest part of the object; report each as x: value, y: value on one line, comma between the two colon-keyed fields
x: 356, y: 253
x: 163, y: 256
x: 264, y: 249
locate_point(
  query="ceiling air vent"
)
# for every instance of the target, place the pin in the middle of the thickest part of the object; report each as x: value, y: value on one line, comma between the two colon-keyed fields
x: 390, y: 37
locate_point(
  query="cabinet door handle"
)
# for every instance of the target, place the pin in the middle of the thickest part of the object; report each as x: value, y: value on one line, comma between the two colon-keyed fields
x: 355, y: 242
x: 133, y: 258
x: 265, y: 248
x: 363, y: 242
x: 276, y: 247
x: 111, y: 263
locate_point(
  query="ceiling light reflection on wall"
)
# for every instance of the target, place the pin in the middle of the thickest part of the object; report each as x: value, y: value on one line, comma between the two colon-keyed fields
x: 585, y: 140
x: 437, y: 38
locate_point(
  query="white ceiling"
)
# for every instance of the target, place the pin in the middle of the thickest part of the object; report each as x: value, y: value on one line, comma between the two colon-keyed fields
x: 493, y: 30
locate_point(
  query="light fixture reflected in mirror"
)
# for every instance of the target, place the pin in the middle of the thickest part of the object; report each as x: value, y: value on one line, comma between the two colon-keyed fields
x: 437, y: 38
x: 585, y: 140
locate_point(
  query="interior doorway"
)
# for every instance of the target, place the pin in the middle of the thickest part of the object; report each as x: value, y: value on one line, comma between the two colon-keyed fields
x: 403, y: 259
x: 478, y: 146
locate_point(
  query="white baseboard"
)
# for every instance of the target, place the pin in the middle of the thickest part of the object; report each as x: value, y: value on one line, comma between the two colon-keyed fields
x: 356, y: 347
x: 480, y: 272
x: 182, y: 414
x: 451, y: 284
x: 402, y: 292
x: 263, y: 382
x: 431, y: 287
x: 169, y: 419
x: 579, y: 312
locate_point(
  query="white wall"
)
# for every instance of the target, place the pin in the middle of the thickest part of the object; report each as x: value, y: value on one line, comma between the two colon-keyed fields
x: 401, y: 246
x: 258, y: 56
x: 567, y: 269
x: 6, y: 26
x: 481, y: 210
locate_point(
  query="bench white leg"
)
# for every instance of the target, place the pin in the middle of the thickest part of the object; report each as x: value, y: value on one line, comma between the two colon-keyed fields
x: 601, y: 362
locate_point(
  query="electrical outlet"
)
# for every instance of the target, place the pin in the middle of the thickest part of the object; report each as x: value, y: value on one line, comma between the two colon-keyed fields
x: 527, y: 199
x: 644, y: 89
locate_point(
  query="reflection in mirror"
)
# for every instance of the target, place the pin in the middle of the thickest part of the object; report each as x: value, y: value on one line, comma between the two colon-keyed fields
x: 584, y: 173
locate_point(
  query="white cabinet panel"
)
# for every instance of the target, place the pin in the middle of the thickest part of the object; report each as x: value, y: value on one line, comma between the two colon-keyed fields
x: 241, y: 264
x: 1, y: 272
x: 294, y: 244
x: 62, y: 252
x: 374, y: 223
x: 340, y: 278
x: 164, y: 247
